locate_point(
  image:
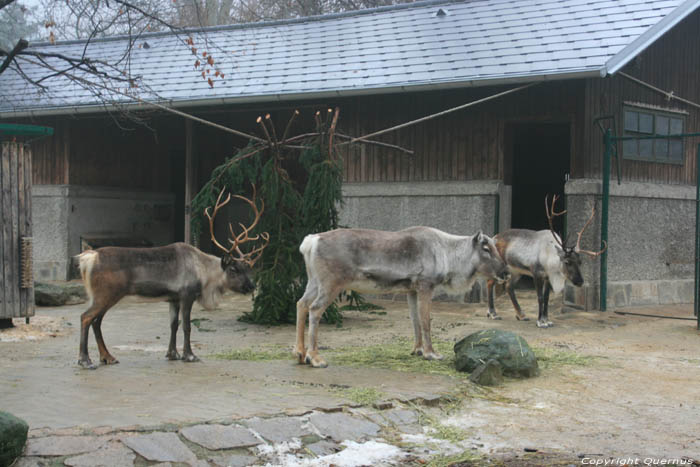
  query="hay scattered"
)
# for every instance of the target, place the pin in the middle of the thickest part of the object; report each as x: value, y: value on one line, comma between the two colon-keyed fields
x: 362, y: 395
x: 396, y: 355
x: 256, y: 355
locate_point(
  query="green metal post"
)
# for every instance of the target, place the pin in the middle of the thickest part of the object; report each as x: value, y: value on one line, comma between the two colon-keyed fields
x: 604, y: 221
x: 697, y: 236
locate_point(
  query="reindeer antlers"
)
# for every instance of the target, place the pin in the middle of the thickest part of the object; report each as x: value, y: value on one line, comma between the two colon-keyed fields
x: 551, y: 214
x: 236, y: 240
x: 578, y: 249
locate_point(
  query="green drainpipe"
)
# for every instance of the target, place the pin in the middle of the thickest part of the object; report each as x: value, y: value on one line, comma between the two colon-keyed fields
x: 604, y: 220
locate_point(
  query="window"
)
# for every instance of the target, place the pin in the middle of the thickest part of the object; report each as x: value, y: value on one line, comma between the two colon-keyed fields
x: 647, y: 122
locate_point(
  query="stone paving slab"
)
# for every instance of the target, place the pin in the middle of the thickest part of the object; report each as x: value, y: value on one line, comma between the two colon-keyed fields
x: 340, y: 426
x: 161, y: 447
x: 216, y: 437
x: 63, y: 445
x: 278, y: 429
x: 324, y: 448
x: 235, y: 460
x: 112, y: 455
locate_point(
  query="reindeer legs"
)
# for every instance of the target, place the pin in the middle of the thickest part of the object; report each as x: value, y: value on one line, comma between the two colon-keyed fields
x: 174, y: 323
x: 415, y: 320
x: 186, y: 307
x: 105, y: 356
x: 542, y: 288
x: 425, y: 298
x: 491, y: 313
x: 93, y: 317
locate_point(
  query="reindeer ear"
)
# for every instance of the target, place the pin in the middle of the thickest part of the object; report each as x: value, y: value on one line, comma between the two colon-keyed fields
x: 225, y: 262
x: 478, y: 238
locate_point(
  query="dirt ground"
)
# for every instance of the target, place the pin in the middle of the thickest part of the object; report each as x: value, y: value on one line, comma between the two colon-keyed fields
x: 613, y: 385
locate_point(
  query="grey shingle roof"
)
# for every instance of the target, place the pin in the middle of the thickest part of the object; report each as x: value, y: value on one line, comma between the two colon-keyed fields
x: 383, y: 50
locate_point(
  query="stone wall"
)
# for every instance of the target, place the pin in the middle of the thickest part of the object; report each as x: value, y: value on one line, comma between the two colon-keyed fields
x: 64, y: 214
x: 651, y: 242
x: 460, y: 208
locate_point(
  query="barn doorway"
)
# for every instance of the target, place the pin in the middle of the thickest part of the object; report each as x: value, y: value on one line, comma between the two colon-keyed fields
x: 539, y: 158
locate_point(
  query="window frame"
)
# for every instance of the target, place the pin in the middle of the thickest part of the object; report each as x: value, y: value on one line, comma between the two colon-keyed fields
x: 655, y: 113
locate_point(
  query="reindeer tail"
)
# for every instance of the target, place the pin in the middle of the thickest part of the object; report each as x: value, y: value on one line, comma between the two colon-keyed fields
x: 86, y: 261
x: 308, y: 244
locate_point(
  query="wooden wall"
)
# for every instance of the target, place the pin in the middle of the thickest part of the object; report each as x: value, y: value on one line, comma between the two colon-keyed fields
x: 464, y: 145
x: 101, y: 151
x: 671, y: 64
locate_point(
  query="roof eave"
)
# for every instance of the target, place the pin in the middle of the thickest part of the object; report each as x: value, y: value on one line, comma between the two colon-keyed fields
x: 254, y: 99
x: 636, y: 47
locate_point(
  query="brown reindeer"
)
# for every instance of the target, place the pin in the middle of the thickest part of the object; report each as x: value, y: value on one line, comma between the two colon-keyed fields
x: 179, y: 273
x: 543, y: 256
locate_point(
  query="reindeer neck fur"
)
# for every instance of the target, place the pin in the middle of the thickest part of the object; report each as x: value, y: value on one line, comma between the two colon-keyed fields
x: 213, y: 281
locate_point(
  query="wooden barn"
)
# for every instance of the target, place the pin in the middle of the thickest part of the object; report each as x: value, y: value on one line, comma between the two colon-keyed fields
x: 573, y: 68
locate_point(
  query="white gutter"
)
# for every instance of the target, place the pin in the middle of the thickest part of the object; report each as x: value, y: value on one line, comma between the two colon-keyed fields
x: 636, y: 47
x: 254, y: 99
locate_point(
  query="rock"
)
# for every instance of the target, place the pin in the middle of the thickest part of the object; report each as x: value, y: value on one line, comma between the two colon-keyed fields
x: 13, y: 436
x: 63, y: 445
x: 111, y: 455
x: 278, y: 429
x: 235, y: 460
x: 510, y: 350
x: 49, y: 294
x: 161, y: 447
x: 487, y: 374
x: 215, y: 437
x: 58, y: 294
x: 341, y: 427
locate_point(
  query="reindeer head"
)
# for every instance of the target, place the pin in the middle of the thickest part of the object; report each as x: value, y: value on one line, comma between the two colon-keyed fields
x: 569, y: 257
x: 489, y: 261
x: 238, y: 266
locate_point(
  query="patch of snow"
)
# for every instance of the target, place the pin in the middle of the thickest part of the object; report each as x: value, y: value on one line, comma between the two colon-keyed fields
x: 354, y: 455
x: 279, y: 449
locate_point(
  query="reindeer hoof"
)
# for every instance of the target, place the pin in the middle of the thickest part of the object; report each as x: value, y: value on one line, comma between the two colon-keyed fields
x: 493, y: 316
x: 418, y: 351
x: 300, y: 356
x: 316, y: 362
x: 173, y: 356
x: 87, y: 364
x: 433, y: 356
x: 522, y: 318
x: 109, y: 360
x: 190, y: 358
x: 544, y: 324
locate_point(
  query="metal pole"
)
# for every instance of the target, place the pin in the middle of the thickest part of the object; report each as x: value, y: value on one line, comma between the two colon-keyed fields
x: 604, y: 220
x: 697, y: 235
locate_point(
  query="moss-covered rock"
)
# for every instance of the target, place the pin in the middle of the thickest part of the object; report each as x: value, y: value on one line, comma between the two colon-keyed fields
x: 59, y: 293
x: 510, y: 350
x: 487, y: 374
x: 13, y: 436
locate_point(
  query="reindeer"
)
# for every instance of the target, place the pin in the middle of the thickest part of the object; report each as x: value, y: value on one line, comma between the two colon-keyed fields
x: 418, y: 261
x: 179, y: 273
x: 543, y: 256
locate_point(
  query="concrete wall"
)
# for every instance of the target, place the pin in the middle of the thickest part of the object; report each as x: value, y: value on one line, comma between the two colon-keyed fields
x: 63, y: 214
x: 651, y: 242
x: 460, y: 208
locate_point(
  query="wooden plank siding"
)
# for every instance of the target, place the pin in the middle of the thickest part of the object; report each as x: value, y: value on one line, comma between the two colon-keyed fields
x: 671, y: 64
x: 464, y: 145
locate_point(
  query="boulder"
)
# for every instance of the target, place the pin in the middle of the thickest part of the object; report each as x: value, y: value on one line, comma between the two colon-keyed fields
x: 510, y: 350
x: 13, y: 436
x: 487, y: 374
x: 58, y: 294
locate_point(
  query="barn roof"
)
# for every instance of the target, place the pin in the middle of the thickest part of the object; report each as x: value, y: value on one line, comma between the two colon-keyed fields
x: 418, y: 46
